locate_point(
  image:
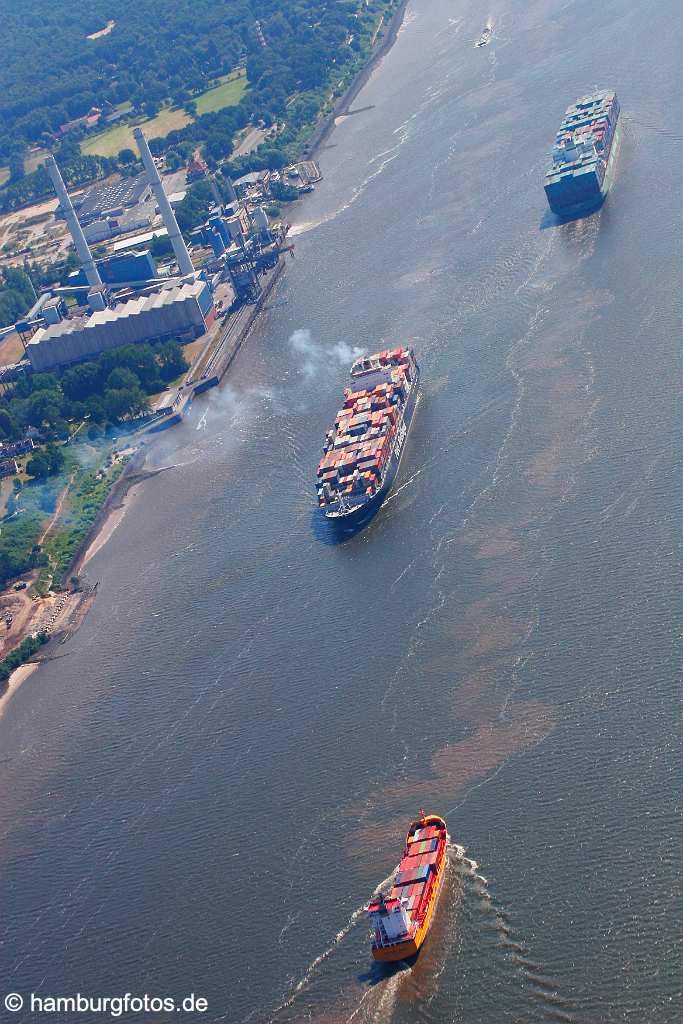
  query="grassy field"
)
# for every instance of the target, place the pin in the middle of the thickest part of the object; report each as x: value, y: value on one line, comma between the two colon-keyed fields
x: 35, y: 159
x: 4, y: 175
x: 227, y: 94
x: 111, y: 142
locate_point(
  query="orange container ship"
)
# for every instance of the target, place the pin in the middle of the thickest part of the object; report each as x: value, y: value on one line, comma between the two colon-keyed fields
x: 403, y: 918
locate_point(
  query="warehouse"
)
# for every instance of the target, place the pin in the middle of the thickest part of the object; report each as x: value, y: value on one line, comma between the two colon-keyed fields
x: 122, y: 268
x: 182, y: 312
x: 110, y: 200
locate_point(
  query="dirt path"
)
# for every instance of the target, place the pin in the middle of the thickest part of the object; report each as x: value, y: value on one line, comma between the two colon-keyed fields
x: 58, y: 509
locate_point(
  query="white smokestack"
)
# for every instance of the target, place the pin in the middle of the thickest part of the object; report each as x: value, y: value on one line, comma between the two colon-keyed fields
x: 85, y: 256
x: 179, y: 248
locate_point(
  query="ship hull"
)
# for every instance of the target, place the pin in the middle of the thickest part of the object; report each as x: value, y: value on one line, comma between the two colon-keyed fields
x: 593, y: 203
x: 422, y: 864
x: 406, y: 950
x: 359, y: 513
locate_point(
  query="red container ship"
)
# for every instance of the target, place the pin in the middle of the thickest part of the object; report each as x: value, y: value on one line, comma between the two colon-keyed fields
x: 402, y: 918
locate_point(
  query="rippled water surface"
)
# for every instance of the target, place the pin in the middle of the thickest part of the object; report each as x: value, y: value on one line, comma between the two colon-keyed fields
x: 203, y: 793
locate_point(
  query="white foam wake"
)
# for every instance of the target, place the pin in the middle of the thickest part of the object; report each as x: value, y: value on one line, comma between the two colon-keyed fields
x: 334, y: 944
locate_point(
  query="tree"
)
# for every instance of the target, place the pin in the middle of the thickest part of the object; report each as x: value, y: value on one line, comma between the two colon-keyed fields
x: 194, y: 208
x: 16, y: 295
x: 16, y: 167
x: 171, y: 359
x: 44, y: 407
x: 173, y: 160
x: 45, y: 463
x: 38, y: 466
x: 81, y: 381
x: 122, y: 402
x: 122, y: 378
x: 44, y: 382
x: 285, y: 193
x: 127, y: 156
x: 55, y: 458
x: 7, y: 424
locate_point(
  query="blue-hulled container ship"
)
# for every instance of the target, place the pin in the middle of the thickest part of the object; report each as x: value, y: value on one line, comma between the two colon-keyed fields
x: 584, y: 155
x: 363, y: 449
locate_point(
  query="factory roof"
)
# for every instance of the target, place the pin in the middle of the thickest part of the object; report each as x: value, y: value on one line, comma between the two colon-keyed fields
x: 147, y: 236
x: 252, y: 178
x: 133, y: 307
x: 118, y: 194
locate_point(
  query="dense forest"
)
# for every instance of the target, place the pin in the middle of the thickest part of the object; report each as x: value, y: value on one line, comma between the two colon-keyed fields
x: 53, y: 73
x: 105, y: 390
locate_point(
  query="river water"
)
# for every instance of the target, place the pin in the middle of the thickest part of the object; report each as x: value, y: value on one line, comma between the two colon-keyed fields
x: 203, y: 793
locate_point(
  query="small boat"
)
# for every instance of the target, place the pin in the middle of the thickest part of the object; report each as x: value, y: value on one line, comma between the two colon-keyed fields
x: 485, y: 37
x: 402, y: 917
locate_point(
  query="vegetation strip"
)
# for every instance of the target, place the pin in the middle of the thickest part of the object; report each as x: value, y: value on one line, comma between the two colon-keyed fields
x: 21, y: 654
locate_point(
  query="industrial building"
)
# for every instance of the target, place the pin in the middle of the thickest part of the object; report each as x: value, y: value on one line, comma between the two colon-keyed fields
x: 180, y: 308
x: 123, y: 299
x: 182, y: 312
x: 136, y: 265
x: 102, y: 201
x: 130, y: 220
x: 132, y: 243
x: 254, y: 185
x: 116, y: 208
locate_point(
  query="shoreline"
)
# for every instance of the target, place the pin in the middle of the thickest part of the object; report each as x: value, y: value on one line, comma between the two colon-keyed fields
x: 116, y: 504
x: 70, y: 619
x: 77, y: 604
x: 341, y: 106
x: 18, y: 677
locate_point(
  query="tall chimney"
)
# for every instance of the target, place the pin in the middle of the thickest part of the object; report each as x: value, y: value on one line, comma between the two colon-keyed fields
x: 231, y: 190
x: 176, y: 239
x: 85, y: 256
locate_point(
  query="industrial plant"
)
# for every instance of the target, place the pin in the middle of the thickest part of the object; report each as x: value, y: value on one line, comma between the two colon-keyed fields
x: 124, y: 298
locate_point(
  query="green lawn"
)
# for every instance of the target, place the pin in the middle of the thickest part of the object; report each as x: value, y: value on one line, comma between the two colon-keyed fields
x: 111, y: 142
x: 4, y: 175
x: 34, y: 160
x: 227, y: 94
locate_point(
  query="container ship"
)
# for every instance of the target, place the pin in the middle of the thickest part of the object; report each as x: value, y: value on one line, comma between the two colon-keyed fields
x: 363, y: 449
x: 584, y: 155
x: 402, y: 918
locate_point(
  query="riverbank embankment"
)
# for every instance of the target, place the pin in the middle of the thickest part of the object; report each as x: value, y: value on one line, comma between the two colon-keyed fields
x: 343, y: 104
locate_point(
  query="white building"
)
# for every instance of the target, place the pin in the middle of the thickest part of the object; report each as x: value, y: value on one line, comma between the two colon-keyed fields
x: 182, y: 312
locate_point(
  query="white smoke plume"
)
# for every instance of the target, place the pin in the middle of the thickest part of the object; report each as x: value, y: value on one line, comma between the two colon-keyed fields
x: 303, y: 344
x: 316, y: 356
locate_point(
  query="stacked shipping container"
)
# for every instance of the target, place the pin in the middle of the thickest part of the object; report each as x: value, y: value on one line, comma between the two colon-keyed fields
x: 581, y: 151
x: 360, y: 444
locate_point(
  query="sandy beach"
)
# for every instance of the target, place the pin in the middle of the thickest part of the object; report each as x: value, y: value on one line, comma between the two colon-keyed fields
x: 62, y: 614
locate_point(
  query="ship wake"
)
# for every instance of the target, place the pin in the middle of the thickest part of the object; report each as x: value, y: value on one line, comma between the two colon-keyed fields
x: 306, y: 978
x: 492, y: 922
